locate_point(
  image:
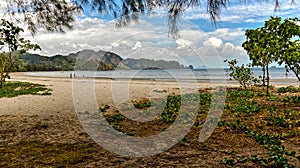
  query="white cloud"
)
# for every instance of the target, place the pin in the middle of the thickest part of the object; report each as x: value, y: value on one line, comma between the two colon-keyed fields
x: 137, y: 45
x: 213, y: 42
x: 182, y: 43
x: 148, y: 39
x: 249, y: 12
x: 227, y: 34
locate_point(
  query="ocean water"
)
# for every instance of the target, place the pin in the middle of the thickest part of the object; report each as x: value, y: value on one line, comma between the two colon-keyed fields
x: 175, y: 74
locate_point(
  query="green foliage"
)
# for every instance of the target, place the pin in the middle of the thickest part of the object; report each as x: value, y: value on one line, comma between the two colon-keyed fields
x: 275, y: 41
x: 279, y: 121
x: 143, y: 63
x: 246, y: 107
x: 13, y: 89
x: 116, y: 118
x: 204, y: 98
x: 291, y: 99
x: 35, y: 62
x: 277, y: 152
x: 287, y: 41
x: 171, y: 110
x: 288, y: 89
x: 10, y: 40
x: 242, y: 74
x: 145, y: 103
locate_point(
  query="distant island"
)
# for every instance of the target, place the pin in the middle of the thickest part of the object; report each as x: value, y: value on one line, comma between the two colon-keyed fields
x: 91, y: 60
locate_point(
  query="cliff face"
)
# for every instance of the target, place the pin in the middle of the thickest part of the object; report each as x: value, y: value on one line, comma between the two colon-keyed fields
x: 151, y: 64
x: 91, y: 60
x: 100, y: 60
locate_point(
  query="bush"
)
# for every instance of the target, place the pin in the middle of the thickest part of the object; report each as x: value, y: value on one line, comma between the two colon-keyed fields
x: 242, y: 74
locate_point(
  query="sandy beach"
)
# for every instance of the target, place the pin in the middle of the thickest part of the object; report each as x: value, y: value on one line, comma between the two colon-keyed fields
x: 58, y: 109
x: 19, y: 115
x: 61, y: 100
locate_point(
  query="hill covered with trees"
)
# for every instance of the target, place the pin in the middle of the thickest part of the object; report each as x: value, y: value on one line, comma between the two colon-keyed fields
x: 91, y: 60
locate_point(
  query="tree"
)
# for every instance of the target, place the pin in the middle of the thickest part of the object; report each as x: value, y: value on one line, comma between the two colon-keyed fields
x: 276, y: 41
x: 242, y: 74
x: 56, y: 15
x: 11, y: 46
x: 288, y: 40
x: 262, y: 46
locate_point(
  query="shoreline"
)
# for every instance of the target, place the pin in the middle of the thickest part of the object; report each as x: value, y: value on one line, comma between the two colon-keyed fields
x: 277, y: 82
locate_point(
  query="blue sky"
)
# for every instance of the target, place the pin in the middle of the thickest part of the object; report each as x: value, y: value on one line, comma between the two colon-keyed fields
x: 201, y: 42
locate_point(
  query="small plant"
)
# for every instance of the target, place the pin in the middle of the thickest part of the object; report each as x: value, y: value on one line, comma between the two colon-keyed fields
x: 291, y: 99
x: 142, y: 104
x: 104, y: 108
x: 242, y: 74
x: 277, y: 152
x: 273, y: 98
x: 278, y: 121
x: 288, y: 89
x: 204, y: 99
x: 171, y: 110
x: 246, y: 107
x: 116, y: 118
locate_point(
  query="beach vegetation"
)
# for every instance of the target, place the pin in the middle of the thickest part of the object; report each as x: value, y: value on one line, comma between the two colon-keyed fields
x: 244, y: 106
x: 286, y: 89
x: 11, y: 46
x: 13, y: 89
x: 142, y: 103
x: 242, y: 74
x: 171, y: 109
x: 287, y: 43
x: 104, y: 108
x: 253, y: 131
x: 277, y: 41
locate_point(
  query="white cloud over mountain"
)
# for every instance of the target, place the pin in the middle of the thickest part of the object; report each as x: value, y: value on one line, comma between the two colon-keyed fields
x: 140, y: 40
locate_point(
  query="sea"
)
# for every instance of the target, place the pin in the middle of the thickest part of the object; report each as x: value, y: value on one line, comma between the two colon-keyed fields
x: 277, y: 75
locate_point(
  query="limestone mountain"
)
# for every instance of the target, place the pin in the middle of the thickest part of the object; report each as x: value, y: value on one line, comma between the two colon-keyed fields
x: 91, y: 60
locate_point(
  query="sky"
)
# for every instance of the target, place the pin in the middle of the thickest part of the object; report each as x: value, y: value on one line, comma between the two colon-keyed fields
x: 201, y: 43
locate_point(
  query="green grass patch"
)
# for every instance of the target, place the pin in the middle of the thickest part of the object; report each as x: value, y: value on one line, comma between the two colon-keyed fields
x: 291, y: 89
x: 13, y: 89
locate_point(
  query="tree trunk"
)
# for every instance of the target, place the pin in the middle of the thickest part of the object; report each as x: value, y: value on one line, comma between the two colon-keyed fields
x: 1, y: 78
x: 268, y: 78
x: 264, y: 74
x: 293, y: 69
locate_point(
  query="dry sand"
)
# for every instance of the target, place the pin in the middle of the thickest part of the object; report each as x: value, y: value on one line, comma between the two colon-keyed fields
x: 107, y: 92
x: 57, y: 110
